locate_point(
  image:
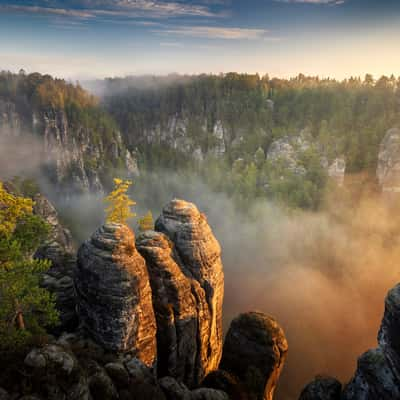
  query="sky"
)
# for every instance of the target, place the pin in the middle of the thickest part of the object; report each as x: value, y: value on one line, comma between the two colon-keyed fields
x: 82, y: 39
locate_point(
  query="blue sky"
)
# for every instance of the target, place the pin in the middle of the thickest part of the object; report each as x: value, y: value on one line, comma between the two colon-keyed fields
x: 97, y: 38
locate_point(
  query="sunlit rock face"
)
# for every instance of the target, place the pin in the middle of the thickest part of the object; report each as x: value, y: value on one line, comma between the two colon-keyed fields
x: 114, y: 294
x: 388, y: 171
x: 175, y: 308
x: 192, y: 283
x: 378, y: 370
x: 254, y: 351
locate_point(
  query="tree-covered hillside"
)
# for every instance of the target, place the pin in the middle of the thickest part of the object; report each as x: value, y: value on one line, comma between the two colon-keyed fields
x: 223, y: 127
x: 246, y: 135
x: 80, y: 142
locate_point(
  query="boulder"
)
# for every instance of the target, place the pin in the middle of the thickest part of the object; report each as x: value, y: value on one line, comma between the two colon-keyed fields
x: 208, y: 394
x: 174, y: 390
x: 102, y: 387
x: 4, y: 394
x: 322, y: 388
x: 114, y: 295
x: 228, y: 383
x: 140, y: 372
x: 56, y: 374
x: 254, y: 351
x: 118, y: 374
x: 199, y: 256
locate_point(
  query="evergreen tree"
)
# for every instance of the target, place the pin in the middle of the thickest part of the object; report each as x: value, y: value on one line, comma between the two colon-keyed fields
x: 26, y: 309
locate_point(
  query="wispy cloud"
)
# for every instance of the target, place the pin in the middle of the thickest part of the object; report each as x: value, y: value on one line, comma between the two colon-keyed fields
x: 328, y: 2
x: 116, y: 8
x: 46, y: 11
x: 212, y: 32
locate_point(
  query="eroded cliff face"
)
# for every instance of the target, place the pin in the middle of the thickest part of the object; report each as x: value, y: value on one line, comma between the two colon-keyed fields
x: 187, y: 281
x: 186, y: 136
x: 114, y: 295
x: 388, y: 171
x: 60, y: 250
x: 200, y: 254
x: 289, y: 150
x: 75, y: 157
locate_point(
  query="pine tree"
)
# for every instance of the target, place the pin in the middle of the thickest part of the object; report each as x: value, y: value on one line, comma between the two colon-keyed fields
x: 146, y: 223
x: 119, y: 209
x: 26, y: 309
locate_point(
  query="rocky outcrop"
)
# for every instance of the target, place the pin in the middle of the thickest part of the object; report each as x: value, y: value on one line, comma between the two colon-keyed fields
x: 176, y: 309
x: 254, y: 351
x: 186, y: 276
x: 322, y: 388
x: 289, y: 150
x: 75, y: 157
x: 114, y: 294
x: 175, y: 133
x: 388, y: 171
x: 198, y: 255
x: 378, y: 370
x: 59, y: 249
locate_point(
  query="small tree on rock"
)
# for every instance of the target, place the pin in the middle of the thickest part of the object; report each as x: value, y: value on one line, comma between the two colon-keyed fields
x: 119, y: 209
x: 146, y: 223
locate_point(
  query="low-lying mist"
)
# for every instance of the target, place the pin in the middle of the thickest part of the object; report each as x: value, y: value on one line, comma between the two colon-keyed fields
x: 322, y: 275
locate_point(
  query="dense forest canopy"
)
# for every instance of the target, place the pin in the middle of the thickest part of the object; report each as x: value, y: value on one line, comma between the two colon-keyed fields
x: 354, y: 113
x: 341, y: 118
x: 337, y: 118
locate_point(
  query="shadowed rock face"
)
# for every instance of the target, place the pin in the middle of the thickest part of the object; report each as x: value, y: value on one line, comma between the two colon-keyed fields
x: 196, y: 254
x: 254, y: 351
x: 114, y: 295
x: 322, y: 388
x: 378, y: 370
x: 60, y: 251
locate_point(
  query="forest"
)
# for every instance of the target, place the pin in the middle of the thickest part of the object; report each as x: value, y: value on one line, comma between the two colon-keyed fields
x: 338, y: 118
x: 168, y: 121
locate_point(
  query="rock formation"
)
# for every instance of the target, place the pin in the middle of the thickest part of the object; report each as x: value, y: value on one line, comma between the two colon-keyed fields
x: 378, y: 370
x: 289, y: 150
x: 254, y: 351
x: 60, y: 251
x: 388, y: 171
x: 176, y: 310
x: 162, y: 294
x: 199, y: 257
x: 114, y: 295
x: 322, y: 388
